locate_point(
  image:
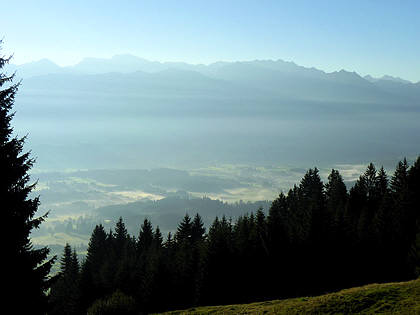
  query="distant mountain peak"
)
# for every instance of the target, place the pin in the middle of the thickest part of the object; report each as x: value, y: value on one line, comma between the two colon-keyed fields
x: 395, y: 79
x: 386, y: 78
x: 369, y: 78
x: 345, y: 76
x: 40, y: 62
x: 354, y: 73
x: 128, y: 57
x: 45, y: 60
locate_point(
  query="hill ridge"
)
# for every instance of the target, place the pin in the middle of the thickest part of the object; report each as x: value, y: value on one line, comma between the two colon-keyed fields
x: 385, y: 298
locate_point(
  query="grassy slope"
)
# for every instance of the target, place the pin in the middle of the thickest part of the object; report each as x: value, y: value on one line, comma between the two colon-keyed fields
x: 389, y: 298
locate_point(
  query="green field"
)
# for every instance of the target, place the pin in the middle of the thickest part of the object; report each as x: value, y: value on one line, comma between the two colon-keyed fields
x: 389, y: 298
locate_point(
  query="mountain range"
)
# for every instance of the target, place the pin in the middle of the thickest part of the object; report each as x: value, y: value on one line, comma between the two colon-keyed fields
x: 134, y: 112
x: 260, y: 77
x: 126, y: 63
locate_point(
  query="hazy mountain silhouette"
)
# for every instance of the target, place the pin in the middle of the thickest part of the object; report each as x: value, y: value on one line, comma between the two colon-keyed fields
x: 271, y: 78
x: 127, y: 111
x: 386, y: 78
x: 36, y: 68
x: 118, y: 63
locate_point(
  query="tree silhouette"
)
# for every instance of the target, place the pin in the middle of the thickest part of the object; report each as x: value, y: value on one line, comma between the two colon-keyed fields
x: 27, y: 268
x: 92, y: 284
x: 65, y: 291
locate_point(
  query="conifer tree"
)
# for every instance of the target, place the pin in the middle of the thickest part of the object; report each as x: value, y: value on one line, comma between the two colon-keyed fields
x: 337, y: 246
x: 220, y: 274
x: 414, y: 230
x: 146, y: 236
x: 183, y: 232
x: 405, y: 194
x: 65, y: 291
x: 336, y: 193
x: 120, y: 238
x: 278, y: 234
x: 92, y: 284
x: 146, y: 265
x: 197, y: 229
x: 184, y: 261
x: 157, y: 238
x: 276, y: 214
x: 311, y: 205
x: 399, y: 181
x: 197, y: 256
x: 23, y: 264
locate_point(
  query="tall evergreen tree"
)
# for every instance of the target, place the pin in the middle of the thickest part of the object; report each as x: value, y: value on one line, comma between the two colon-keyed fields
x: 23, y: 264
x: 121, y: 238
x: 336, y: 195
x: 220, y: 274
x: 198, y: 257
x: 337, y: 246
x: 311, y: 204
x: 121, y: 258
x: 184, y: 262
x: 184, y: 230
x: 92, y: 285
x: 65, y: 291
x: 414, y: 230
x: 197, y: 229
x: 157, y: 238
x: 405, y: 194
x: 146, y: 236
x: 279, y: 237
x: 399, y: 181
x: 147, y: 264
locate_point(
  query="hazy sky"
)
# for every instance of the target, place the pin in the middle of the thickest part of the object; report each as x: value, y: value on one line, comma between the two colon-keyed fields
x: 370, y: 37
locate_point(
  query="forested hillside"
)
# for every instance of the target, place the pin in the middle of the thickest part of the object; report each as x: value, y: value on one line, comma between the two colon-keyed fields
x: 316, y: 238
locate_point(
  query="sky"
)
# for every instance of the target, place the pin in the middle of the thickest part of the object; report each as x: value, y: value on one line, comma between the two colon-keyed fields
x: 367, y: 36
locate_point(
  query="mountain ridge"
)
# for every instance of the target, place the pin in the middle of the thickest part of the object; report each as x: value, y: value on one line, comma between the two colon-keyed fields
x: 126, y: 63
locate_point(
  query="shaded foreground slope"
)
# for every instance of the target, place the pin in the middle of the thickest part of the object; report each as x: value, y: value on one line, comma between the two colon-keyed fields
x: 395, y: 298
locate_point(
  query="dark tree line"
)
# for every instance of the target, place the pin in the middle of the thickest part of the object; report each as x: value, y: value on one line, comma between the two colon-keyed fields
x: 316, y: 238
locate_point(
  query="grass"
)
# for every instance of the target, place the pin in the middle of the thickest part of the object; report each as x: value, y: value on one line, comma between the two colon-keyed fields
x: 388, y: 298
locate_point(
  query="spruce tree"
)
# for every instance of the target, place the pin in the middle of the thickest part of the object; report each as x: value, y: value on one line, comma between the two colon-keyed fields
x: 26, y: 278
x: 92, y: 280
x: 157, y: 238
x: 336, y: 193
x: 145, y: 239
x: 65, y: 291
x: 337, y: 251
x: 183, y: 233
x: 311, y: 205
x: 120, y: 238
x: 221, y: 277
x: 414, y: 216
x: 278, y: 243
x: 198, y: 256
x: 197, y: 229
